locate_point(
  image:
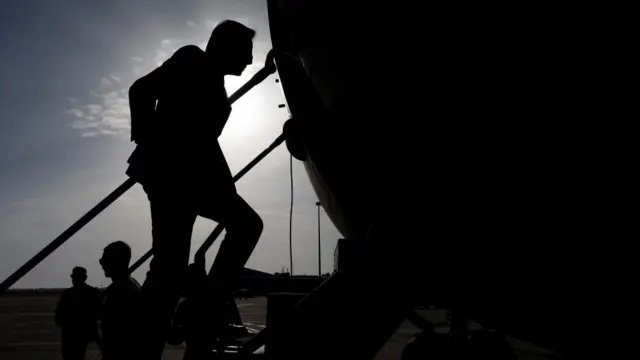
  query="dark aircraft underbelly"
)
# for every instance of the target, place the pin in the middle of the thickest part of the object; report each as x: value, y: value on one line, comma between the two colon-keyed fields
x: 478, y: 132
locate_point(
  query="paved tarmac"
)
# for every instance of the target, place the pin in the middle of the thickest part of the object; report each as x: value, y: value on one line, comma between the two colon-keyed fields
x: 28, y: 332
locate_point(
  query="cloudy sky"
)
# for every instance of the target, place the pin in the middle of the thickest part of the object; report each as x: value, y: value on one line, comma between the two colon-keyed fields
x: 64, y: 123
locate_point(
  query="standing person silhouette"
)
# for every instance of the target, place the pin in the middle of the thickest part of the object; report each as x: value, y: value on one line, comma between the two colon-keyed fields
x: 77, y: 315
x: 178, y: 111
x: 121, y: 308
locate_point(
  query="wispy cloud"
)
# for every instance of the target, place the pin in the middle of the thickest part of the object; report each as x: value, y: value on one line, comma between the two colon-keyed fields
x: 160, y: 57
x: 105, y: 82
x: 106, y: 115
x: 107, y: 112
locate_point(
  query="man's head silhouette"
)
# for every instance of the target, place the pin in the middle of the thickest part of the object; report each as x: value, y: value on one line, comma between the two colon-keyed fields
x: 231, y: 43
x: 78, y: 276
x: 115, y: 260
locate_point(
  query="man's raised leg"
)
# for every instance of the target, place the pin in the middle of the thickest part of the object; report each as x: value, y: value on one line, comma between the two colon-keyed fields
x: 243, y: 229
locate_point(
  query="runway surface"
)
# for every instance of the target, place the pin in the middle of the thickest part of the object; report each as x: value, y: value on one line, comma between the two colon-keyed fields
x: 28, y: 332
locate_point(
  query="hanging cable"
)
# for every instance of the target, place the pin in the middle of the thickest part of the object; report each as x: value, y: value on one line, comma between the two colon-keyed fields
x: 291, y: 217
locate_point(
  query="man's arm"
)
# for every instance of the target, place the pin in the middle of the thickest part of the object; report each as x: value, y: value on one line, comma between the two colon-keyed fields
x: 143, y: 95
x: 145, y: 91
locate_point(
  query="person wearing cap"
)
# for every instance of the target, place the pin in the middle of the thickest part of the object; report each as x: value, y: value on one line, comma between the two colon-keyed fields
x: 77, y: 314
